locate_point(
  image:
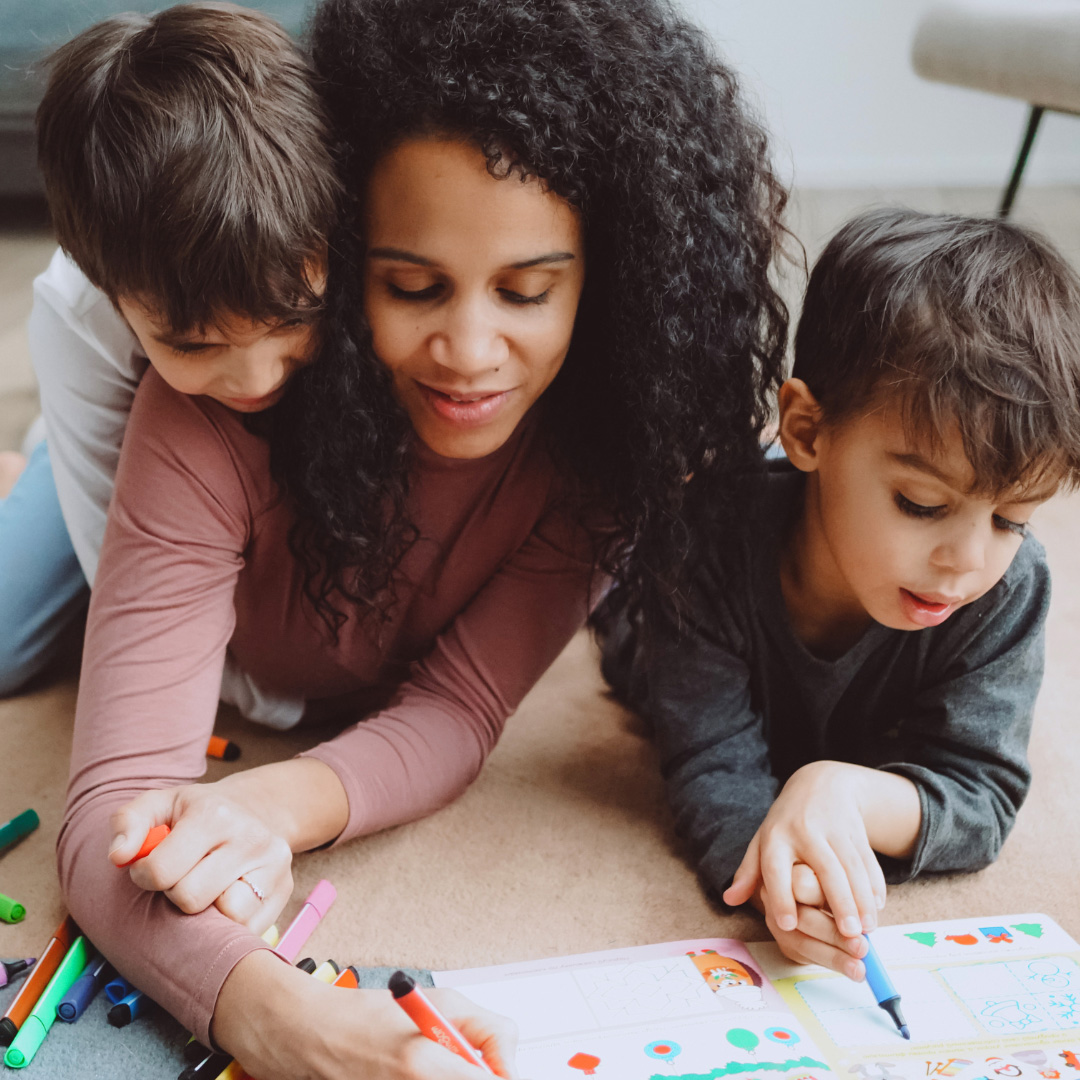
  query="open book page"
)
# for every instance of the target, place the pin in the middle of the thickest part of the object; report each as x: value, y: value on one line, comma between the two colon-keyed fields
x: 686, y: 1010
x: 995, y: 997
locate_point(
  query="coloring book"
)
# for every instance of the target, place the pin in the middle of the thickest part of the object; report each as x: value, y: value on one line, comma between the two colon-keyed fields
x: 995, y: 998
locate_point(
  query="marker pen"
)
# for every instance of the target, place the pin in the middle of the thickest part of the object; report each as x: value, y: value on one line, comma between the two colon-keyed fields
x: 11, y: 911
x: 27, y: 997
x: 207, y: 1067
x: 128, y: 1008
x: 223, y: 749
x: 43, y: 1015
x: 348, y: 978
x: 432, y: 1024
x: 14, y: 830
x: 299, y: 930
x: 153, y: 838
x: 326, y: 972
x: 117, y: 989
x: 9, y: 969
x: 877, y: 978
x: 84, y: 988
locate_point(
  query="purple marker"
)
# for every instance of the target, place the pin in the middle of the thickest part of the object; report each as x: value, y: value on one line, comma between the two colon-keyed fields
x: 10, y: 968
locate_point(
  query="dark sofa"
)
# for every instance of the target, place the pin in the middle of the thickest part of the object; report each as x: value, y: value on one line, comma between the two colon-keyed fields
x: 29, y: 30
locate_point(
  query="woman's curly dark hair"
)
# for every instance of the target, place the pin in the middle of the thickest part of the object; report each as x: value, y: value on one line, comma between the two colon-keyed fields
x: 624, y: 109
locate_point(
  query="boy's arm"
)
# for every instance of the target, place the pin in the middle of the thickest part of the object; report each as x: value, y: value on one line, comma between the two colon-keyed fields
x: 88, y: 366
x: 964, y: 745
x: 696, y: 694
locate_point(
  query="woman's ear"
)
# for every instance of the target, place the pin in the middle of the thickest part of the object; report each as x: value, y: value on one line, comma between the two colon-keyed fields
x: 800, y: 424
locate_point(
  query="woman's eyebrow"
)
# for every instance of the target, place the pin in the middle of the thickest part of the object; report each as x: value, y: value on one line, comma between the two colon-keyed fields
x: 401, y: 255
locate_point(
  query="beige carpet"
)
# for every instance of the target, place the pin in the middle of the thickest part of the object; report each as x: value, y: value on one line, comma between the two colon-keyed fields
x: 564, y: 843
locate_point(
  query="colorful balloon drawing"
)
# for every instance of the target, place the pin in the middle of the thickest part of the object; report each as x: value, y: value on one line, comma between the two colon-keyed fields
x: 782, y: 1036
x: 585, y: 1062
x: 665, y: 1050
x: 962, y: 939
x: 743, y: 1039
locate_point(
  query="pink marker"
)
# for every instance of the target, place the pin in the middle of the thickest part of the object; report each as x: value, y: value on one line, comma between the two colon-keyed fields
x: 301, y: 928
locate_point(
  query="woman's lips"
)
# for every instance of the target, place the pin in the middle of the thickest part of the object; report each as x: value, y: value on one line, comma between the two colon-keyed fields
x: 925, y: 610
x: 465, y: 410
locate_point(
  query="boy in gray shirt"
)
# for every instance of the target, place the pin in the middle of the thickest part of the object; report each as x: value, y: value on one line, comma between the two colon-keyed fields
x: 852, y: 699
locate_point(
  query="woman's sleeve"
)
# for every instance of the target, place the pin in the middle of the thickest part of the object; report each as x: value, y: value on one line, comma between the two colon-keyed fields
x: 160, y: 618
x: 427, y: 745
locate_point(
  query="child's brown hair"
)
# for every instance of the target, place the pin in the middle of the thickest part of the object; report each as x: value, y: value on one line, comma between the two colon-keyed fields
x: 969, y: 323
x: 187, y: 164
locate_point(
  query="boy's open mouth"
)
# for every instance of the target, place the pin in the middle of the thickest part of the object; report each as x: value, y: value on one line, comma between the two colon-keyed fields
x: 924, y: 610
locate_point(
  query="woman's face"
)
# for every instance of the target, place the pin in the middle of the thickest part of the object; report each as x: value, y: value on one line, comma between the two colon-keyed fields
x: 471, y: 286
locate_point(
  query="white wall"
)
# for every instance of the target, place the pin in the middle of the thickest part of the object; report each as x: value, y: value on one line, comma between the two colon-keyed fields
x: 834, y: 81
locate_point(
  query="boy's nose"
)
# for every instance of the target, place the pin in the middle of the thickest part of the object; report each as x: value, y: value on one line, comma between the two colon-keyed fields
x: 965, y: 551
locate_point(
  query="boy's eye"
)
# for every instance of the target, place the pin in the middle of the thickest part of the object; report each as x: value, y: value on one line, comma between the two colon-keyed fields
x: 186, y: 348
x: 429, y: 293
x: 519, y: 298
x: 1020, y: 528
x: 917, y: 510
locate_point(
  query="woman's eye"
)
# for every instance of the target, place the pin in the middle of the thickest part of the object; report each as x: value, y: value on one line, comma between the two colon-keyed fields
x: 428, y: 293
x: 1019, y: 528
x: 918, y: 510
x: 520, y: 298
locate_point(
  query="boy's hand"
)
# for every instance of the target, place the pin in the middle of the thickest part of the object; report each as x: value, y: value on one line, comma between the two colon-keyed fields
x: 815, y: 939
x: 817, y: 819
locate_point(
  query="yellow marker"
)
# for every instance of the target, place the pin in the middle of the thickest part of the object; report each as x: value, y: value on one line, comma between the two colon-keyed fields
x: 271, y: 935
x: 326, y: 972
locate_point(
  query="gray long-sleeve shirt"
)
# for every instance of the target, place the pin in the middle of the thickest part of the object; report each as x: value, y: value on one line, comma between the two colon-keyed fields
x: 740, y: 703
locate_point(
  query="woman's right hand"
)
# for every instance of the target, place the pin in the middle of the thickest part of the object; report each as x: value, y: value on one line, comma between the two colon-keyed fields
x: 280, y: 1023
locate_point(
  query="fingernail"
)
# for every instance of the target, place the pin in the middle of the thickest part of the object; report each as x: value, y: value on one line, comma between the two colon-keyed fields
x: 855, y: 971
x: 850, y: 926
x: 880, y: 903
x: 118, y: 842
x: 787, y: 922
x: 868, y: 922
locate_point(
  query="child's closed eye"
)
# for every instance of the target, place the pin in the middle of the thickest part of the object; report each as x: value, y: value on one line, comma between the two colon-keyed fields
x: 1020, y: 528
x: 918, y: 510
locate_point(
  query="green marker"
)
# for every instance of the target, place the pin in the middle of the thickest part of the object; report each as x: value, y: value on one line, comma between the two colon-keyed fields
x: 42, y: 1017
x: 18, y: 827
x: 11, y: 910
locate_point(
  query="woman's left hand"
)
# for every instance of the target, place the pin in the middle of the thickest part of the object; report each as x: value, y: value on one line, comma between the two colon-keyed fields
x: 219, y: 852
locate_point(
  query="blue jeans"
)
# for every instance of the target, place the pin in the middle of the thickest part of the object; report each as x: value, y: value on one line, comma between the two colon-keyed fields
x: 42, y: 588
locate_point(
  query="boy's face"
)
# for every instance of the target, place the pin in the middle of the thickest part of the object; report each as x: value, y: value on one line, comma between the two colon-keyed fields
x: 892, y: 527
x: 242, y: 364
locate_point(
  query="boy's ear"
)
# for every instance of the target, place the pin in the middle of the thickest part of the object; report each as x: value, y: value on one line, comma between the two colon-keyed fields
x: 800, y: 424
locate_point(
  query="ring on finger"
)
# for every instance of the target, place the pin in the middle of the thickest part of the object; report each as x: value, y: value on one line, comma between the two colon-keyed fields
x: 259, y: 894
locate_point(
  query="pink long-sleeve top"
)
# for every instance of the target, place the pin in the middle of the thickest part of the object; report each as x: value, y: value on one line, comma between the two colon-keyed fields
x: 196, y: 559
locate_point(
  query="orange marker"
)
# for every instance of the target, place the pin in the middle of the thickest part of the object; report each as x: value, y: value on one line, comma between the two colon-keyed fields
x: 432, y: 1024
x: 44, y: 969
x: 221, y: 748
x: 153, y: 838
x: 347, y: 979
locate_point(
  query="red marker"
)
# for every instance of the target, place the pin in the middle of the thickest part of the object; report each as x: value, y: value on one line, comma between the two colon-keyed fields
x: 432, y: 1024
x: 153, y: 838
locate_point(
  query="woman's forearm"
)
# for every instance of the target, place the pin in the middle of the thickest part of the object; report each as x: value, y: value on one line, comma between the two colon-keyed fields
x: 301, y: 800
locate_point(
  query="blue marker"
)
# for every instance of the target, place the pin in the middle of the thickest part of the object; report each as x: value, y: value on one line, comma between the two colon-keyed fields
x: 83, y: 990
x: 877, y: 978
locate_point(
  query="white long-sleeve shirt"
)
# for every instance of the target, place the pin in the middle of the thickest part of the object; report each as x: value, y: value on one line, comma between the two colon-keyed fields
x: 89, y: 364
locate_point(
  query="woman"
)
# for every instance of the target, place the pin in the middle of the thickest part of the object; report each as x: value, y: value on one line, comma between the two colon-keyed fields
x: 562, y: 229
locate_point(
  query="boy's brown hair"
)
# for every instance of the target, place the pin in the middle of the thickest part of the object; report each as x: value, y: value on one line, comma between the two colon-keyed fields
x: 968, y: 323
x: 187, y: 164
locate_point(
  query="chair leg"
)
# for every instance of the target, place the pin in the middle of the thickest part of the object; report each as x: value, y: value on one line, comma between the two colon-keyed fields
x: 1021, y: 160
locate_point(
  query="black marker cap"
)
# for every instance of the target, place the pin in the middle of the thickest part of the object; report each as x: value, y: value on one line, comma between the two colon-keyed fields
x: 401, y: 984
x: 211, y: 1066
x: 307, y: 965
x: 120, y: 1015
x: 8, y: 1031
